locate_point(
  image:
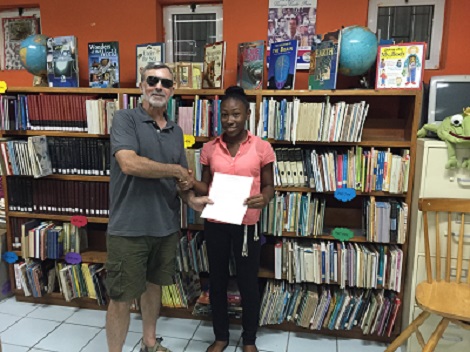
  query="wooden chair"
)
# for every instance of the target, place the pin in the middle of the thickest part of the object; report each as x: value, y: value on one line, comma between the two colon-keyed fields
x: 442, y: 294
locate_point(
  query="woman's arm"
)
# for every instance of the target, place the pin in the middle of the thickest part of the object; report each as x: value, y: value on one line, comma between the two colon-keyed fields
x: 202, y: 187
x: 259, y: 201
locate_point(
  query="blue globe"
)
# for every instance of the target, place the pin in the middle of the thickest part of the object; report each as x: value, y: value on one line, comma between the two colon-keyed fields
x: 33, y: 54
x: 358, y: 50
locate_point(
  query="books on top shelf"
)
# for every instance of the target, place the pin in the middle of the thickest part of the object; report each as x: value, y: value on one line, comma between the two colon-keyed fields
x: 62, y: 61
x: 149, y: 53
x: 214, y: 65
x: 282, y: 65
x: 103, y: 64
x: 250, y: 64
x: 400, y: 66
x: 324, y: 61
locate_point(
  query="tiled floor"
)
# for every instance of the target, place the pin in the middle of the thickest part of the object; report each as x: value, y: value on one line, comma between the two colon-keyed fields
x: 34, y: 327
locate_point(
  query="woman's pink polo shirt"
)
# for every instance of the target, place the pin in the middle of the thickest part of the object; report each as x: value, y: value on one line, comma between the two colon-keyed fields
x: 254, y: 153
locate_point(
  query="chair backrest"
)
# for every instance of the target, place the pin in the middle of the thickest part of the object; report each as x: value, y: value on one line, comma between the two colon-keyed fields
x: 451, y: 213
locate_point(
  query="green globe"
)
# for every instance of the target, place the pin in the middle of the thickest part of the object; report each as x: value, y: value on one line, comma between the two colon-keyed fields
x: 358, y: 50
x: 33, y: 54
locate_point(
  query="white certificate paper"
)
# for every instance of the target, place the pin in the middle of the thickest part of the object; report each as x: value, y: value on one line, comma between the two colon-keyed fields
x: 228, y: 192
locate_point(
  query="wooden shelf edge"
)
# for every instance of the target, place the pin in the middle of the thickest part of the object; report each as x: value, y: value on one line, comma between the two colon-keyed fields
x: 70, y: 177
x: 18, y: 214
x: 49, y: 133
x: 358, y: 193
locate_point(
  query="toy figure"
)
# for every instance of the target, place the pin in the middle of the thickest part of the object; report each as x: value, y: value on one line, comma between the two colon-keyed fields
x: 453, y: 130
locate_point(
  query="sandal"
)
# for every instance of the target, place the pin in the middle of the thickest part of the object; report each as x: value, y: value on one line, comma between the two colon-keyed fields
x: 213, y: 345
x: 157, y: 348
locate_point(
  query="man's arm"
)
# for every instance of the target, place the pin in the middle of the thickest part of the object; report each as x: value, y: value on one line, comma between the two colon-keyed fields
x: 135, y: 165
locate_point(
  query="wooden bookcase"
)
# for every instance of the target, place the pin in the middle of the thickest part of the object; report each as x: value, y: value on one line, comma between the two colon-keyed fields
x: 392, y: 122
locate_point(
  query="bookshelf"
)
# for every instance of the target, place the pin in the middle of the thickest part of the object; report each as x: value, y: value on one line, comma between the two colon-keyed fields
x: 392, y: 122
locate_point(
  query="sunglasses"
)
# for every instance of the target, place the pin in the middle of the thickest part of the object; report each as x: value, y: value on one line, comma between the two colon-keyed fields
x: 153, y: 81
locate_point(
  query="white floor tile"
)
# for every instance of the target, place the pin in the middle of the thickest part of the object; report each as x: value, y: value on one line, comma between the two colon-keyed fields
x: 173, y: 327
x: 21, y: 309
x: 135, y: 324
x: 28, y: 331
x: 205, y: 333
x: 88, y: 317
x: 99, y: 342
x: 56, y: 313
x: 13, y: 348
x: 299, y: 342
x: 272, y: 340
x: 355, y: 345
x: 200, y: 346
x: 7, y: 320
x: 68, y: 337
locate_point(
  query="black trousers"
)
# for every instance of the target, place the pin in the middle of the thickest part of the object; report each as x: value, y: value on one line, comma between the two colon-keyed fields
x: 220, y: 238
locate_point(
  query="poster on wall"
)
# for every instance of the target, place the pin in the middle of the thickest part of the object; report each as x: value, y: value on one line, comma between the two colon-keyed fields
x: 293, y: 19
x: 15, y: 30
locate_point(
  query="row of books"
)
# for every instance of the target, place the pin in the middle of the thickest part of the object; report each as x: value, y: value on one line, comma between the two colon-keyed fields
x: 64, y: 112
x: 47, y: 239
x: 328, y: 170
x: 79, y: 156
x: 37, y: 278
x: 302, y: 121
x: 26, y: 157
x: 293, y: 212
x: 234, y: 308
x: 58, y: 197
x: 185, y: 289
x: 385, y: 221
x: 315, y: 307
x: 345, y: 264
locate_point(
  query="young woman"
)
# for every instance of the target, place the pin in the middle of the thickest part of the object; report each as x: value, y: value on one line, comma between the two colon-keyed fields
x: 236, y: 152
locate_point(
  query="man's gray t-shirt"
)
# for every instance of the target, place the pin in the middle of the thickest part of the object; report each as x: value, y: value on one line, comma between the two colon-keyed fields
x: 144, y: 206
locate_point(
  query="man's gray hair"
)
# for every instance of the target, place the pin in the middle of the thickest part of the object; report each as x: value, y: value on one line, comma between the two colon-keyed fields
x: 155, y: 66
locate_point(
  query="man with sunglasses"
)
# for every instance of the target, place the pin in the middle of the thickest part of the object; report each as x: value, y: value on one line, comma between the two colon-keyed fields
x: 148, y: 162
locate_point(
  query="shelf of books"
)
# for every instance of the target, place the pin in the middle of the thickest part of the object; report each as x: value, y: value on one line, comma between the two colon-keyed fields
x: 335, y: 234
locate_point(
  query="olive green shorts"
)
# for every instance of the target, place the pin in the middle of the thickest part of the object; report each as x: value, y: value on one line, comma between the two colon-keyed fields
x: 134, y: 261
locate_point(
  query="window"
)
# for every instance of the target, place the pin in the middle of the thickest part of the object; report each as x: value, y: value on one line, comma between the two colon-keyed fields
x: 7, y: 24
x: 410, y: 21
x: 187, y: 31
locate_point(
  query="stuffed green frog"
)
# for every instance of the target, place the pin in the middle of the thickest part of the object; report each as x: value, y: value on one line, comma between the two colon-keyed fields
x: 453, y: 130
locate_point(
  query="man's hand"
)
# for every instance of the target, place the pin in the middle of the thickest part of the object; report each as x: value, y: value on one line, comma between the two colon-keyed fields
x: 188, y: 183
x: 258, y: 201
x: 198, y: 203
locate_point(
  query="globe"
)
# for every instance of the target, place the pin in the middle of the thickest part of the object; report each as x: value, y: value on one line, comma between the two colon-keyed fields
x: 33, y: 54
x: 358, y: 50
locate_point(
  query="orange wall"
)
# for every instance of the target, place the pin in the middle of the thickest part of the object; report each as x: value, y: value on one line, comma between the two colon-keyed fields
x: 132, y: 22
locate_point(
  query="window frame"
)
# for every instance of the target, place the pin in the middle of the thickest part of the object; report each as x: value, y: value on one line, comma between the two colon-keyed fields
x: 169, y: 11
x: 437, y: 29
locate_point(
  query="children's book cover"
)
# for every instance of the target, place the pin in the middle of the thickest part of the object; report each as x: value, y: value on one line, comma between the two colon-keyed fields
x: 149, y: 53
x: 282, y: 65
x: 324, y: 60
x: 250, y: 64
x: 400, y: 66
x: 214, y: 64
x: 103, y: 64
x: 62, y: 61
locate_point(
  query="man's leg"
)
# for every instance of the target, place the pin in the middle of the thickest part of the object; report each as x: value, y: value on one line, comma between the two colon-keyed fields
x: 150, y: 303
x: 117, y: 324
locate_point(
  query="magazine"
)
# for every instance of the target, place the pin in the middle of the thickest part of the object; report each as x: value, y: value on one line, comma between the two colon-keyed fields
x: 147, y: 54
x: 62, y: 61
x: 400, y: 66
x: 250, y: 64
x: 103, y: 64
x: 282, y: 65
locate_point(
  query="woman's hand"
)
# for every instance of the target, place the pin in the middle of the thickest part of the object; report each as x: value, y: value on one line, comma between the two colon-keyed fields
x: 258, y: 201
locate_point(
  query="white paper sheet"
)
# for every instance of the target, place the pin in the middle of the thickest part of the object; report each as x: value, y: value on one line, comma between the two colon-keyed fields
x: 228, y: 192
